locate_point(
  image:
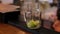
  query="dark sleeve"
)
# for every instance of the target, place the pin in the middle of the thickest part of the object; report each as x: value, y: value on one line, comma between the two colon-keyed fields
x: 58, y: 4
x: 58, y: 13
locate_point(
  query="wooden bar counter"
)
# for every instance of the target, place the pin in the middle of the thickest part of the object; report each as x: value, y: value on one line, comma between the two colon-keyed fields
x: 8, y: 29
x: 7, y: 8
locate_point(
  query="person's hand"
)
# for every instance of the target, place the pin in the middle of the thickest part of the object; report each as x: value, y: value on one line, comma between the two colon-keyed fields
x: 56, y: 25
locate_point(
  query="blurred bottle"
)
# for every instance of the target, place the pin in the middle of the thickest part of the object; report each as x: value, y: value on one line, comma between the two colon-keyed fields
x: 44, y: 4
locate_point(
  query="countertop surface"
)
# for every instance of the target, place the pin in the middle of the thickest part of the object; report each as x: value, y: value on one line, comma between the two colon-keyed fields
x: 41, y: 30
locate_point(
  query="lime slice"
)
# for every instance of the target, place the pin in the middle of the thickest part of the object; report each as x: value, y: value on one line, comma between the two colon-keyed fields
x: 33, y: 24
